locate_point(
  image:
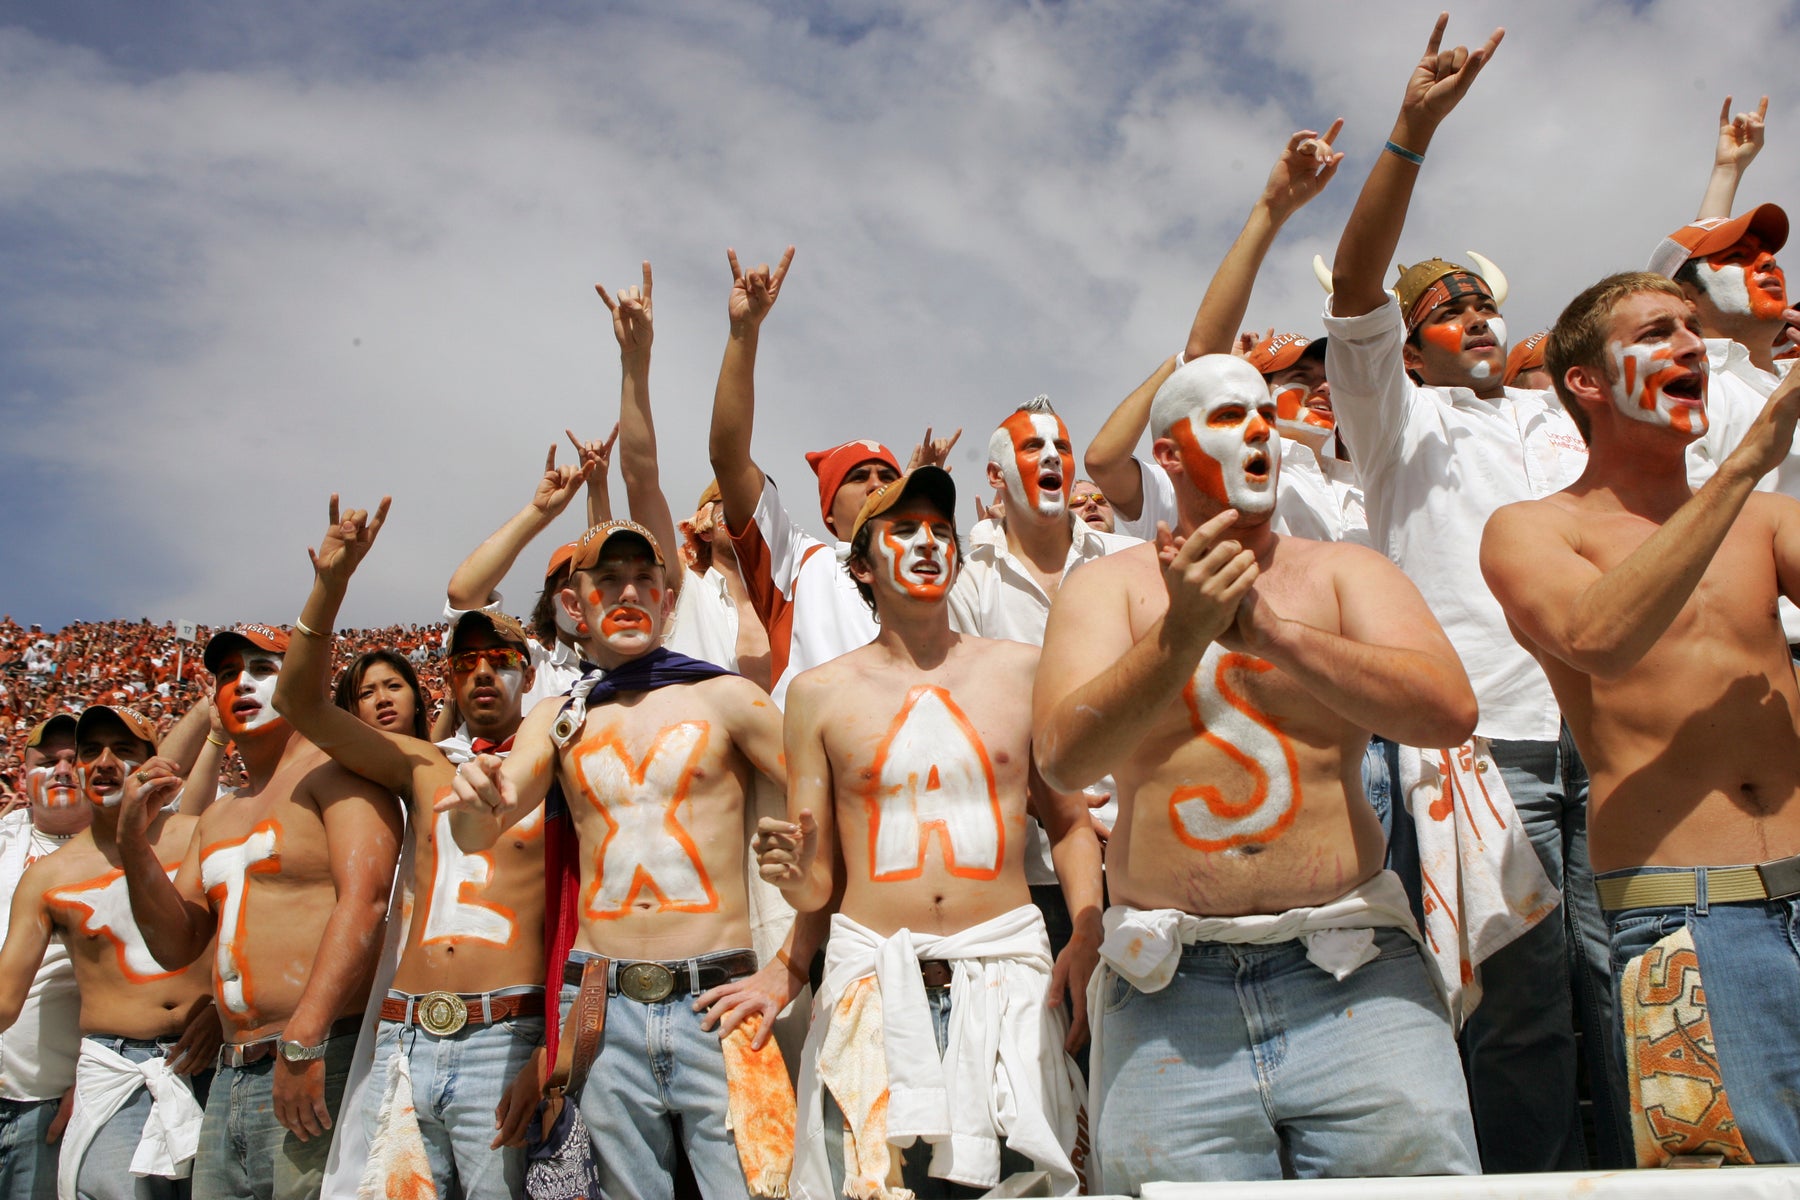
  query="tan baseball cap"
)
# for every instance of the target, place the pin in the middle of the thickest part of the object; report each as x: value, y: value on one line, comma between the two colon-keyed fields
x: 932, y: 483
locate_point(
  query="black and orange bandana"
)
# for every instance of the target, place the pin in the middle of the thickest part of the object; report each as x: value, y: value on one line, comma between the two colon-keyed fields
x: 1453, y: 286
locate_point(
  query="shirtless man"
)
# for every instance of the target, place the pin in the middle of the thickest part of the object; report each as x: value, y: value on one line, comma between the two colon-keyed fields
x: 1652, y: 610
x: 911, y: 768
x: 466, y: 1006
x: 1228, y: 678
x: 655, y: 759
x: 132, y: 1008
x: 292, y: 874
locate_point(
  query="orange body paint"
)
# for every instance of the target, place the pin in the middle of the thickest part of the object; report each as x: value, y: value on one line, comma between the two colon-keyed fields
x: 646, y: 850
x: 225, y: 870
x: 932, y: 773
x: 1202, y: 815
x: 101, y: 908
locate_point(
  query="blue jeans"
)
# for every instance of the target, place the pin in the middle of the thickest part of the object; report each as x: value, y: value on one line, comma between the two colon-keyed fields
x: 106, y: 1167
x: 1519, y: 1045
x: 1749, y: 957
x: 657, y: 1066
x: 1254, y: 1064
x: 245, y: 1152
x: 457, y: 1083
x: 27, y: 1165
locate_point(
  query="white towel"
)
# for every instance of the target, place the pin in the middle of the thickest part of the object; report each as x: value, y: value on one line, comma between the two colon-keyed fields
x: 1003, y: 1074
x: 397, y: 1164
x: 105, y: 1082
x: 1483, y: 883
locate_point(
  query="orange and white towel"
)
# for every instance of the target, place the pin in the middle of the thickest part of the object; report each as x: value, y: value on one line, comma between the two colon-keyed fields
x: 397, y: 1164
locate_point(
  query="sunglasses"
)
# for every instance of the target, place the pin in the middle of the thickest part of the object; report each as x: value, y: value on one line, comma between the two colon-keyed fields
x: 1085, y: 498
x: 500, y: 658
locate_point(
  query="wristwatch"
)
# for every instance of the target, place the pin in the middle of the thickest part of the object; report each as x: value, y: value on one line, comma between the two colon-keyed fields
x: 300, y: 1051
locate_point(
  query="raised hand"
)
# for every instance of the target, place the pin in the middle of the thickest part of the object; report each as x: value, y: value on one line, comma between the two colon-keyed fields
x: 785, y: 849
x: 754, y: 292
x: 1740, y: 136
x: 1442, y: 77
x: 1306, y: 165
x: 556, y: 487
x: 633, y: 322
x: 1247, y: 340
x: 480, y: 788
x: 596, y: 456
x: 933, y: 452
x: 1206, y: 575
x: 347, y: 539
x: 146, y: 790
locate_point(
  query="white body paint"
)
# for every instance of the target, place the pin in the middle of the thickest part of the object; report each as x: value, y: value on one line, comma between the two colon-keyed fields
x: 1729, y: 288
x: 641, y: 844
x: 1050, y: 504
x: 112, y: 796
x: 260, y: 688
x: 1195, y: 817
x: 450, y: 917
x: 226, y: 868
x: 46, y: 792
x: 902, y: 556
x: 1209, y: 385
x: 933, y: 777
x: 1648, y: 359
x: 109, y: 916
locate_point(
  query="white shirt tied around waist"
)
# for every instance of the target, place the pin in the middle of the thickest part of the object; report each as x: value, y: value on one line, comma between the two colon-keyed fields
x: 1143, y: 945
x: 1003, y: 1072
x: 105, y: 1082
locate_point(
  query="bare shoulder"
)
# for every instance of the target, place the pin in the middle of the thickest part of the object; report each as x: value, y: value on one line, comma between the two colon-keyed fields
x: 1772, y: 507
x: 1001, y: 654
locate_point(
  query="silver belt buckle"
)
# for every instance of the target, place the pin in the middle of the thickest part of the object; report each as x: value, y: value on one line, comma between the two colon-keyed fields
x: 646, y: 982
x: 1781, y: 878
x: 441, y: 1013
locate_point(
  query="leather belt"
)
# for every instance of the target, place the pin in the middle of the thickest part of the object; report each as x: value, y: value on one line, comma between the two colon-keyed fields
x: 248, y: 1054
x: 649, y: 982
x: 1777, y: 879
x: 446, y: 1013
x: 935, y: 971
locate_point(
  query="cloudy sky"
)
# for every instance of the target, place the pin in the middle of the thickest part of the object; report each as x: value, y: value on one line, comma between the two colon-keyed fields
x: 252, y: 254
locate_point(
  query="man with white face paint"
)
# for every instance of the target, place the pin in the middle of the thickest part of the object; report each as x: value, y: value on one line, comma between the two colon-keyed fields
x: 1652, y: 608
x: 1229, y: 677
x: 910, y: 762
x: 645, y: 841
x: 292, y: 874
x: 1004, y: 586
x: 1436, y: 458
x: 146, y: 1030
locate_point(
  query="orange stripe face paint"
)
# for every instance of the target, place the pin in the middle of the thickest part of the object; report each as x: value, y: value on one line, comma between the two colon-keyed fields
x: 1641, y: 372
x: 1205, y: 816
x: 1743, y: 280
x: 625, y: 617
x: 225, y: 870
x: 246, y: 697
x: 1037, y: 468
x: 1227, y: 453
x: 932, y: 776
x: 917, y: 554
x: 101, y: 908
x: 646, y: 852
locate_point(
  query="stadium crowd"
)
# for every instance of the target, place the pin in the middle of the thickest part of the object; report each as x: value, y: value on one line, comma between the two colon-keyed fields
x: 1407, y: 735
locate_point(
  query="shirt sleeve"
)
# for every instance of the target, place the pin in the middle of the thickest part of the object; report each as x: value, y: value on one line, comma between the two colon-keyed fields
x: 1371, y: 395
x: 770, y: 550
x: 1159, y: 504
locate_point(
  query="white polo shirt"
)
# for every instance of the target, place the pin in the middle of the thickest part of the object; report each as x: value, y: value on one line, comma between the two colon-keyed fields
x: 705, y: 624
x: 996, y: 596
x: 1435, y: 463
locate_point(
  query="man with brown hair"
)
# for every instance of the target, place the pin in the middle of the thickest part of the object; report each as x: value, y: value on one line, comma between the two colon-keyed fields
x: 1652, y: 609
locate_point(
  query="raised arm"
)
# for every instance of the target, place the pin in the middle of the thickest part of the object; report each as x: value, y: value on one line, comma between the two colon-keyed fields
x: 753, y: 294
x: 1373, y: 232
x: 201, y: 786
x: 478, y: 576
x: 1740, y: 141
x: 173, y: 915
x: 300, y: 692
x: 633, y: 325
x: 1098, y: 690
x: 187, y: 737
x: 595, y: 464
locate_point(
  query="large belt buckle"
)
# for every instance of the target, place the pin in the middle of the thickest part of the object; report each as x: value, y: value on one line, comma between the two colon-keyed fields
x: 441, y: 1013
x: 1781, y: 877
x: 646, y: 982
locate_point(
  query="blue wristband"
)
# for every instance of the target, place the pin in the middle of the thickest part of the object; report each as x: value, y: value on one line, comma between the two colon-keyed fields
x: 1402, y: 152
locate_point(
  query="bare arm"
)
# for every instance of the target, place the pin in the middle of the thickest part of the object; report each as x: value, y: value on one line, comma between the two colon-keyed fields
x: 633, y: 325
x: 1373, y: 232
x: 473, y: 583
x: 1740, y: 141
x: 797, y: 855
x: 595, y: 459
x: 201, y: 787
x: 1075, y: 852
x: 490, y: 795
x: 1109, y: 460
x: 186, y: 739
x: 172, y: 914
x: 740, y: 480
x: 28, y: 930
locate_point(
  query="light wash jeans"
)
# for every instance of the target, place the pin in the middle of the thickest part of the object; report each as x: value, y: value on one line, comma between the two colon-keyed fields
x: 1749, y: 957
x: 655, y: 1067
x: 245, y: 1153
x: 27, y: 1165
x: 1255, y: 1064
x: 106, y: 1167
x: 457, y: 1083
x: 1519, y: 1044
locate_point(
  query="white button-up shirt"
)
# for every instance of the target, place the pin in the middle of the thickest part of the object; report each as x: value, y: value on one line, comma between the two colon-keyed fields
x: 37, y: 1053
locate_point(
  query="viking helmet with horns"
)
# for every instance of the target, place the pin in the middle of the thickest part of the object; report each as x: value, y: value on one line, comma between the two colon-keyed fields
x: 1414, y: 281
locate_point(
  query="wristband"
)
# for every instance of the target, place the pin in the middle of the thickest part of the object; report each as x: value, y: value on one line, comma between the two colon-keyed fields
x: 217, y: 741
x: 1413, y: 157
x: 308, y: 630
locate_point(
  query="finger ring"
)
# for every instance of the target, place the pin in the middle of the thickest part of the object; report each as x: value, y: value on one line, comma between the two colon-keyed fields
x: 143, y: 777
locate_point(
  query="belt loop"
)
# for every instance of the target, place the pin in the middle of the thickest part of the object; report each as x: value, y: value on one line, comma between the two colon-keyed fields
x: 612, y: 977
x: 412, y: 1007
x: 1700, y: 891
x: 693, y: 966
x: 487, y: 1008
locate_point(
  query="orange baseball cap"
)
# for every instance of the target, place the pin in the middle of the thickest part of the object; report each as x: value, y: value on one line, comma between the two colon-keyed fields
x: 262, y: 637
x: 135, y: 722
x: 559, y: 559
x: 1282, y: 351
x: 933, y: 483
x: 1697, y: 239
x: 1526, y: 355
x: 588, y: 548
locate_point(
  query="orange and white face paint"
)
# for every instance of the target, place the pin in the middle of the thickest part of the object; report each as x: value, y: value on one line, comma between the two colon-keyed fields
x: 103, y: 781
x: 932, y: 776
x: 1743, y: 280
x: 915, y: 552
x: 1218, y: 816
x: 647, y: 861
x: 1035, y: 460
x: 1450, y: 336
x: 1292, y: 408
x: 225, y: 870
x: 53, y: 791
x: 1644, y: 373
x: 101, y: 908
x: 1225, y: 449
x: 246, y: 692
